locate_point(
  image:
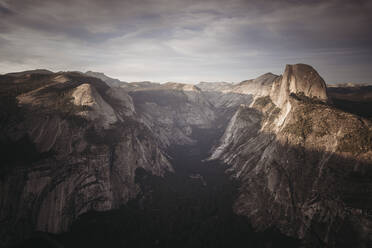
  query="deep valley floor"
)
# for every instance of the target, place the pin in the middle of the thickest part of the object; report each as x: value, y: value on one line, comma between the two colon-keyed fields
x: 189, y: 208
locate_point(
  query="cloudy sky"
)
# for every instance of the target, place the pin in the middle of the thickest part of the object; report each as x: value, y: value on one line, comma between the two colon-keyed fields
x: 188, y: 41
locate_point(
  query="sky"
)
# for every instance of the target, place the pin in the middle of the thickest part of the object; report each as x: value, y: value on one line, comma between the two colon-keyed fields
x: 188, y: 41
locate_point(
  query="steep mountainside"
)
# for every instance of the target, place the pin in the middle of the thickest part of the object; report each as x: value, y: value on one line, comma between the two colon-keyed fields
x: 298, y: 156
x: 227, y: 96
x: 173, y: 111
x: 304, y: 166
x: 69, y: 144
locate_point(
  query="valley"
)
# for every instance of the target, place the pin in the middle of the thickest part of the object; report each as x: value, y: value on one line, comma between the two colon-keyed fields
x: 191, y: 207
x: 269, y: 162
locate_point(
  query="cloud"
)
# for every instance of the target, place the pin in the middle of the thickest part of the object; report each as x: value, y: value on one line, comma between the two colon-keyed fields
x: 163, y: 40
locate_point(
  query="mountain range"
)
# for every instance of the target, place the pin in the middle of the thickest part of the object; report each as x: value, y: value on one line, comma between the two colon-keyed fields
x: 296, y: 153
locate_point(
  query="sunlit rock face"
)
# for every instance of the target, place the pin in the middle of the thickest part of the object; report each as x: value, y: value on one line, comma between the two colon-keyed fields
x: 72, y: 144
x: 303, y: 165
x: 76, y: 146
x: 97, y: 109
x: 298, y: 79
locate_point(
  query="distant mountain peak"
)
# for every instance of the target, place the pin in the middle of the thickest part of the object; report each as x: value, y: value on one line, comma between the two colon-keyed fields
x: 299, y: 78
x: 36, y: 71
x: 112, y: 82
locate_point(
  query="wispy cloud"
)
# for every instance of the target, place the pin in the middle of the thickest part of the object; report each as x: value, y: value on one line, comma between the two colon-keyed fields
x: 163, y: 40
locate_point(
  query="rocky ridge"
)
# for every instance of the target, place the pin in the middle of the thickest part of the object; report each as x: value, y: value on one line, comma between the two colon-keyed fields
x: 228, y: 96
x: 304, y: 165
x: 72, y: 145
x: 112, y: 82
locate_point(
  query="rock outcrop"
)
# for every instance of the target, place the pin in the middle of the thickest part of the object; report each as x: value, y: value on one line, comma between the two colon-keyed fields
x: 72, y: 146
x: 304, y: 166
x: 298, y: 79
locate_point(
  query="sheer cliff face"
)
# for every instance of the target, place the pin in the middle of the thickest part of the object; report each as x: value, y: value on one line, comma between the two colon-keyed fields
x: 297, y: 79
x: 303, y: 165
x: 71, y: 144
